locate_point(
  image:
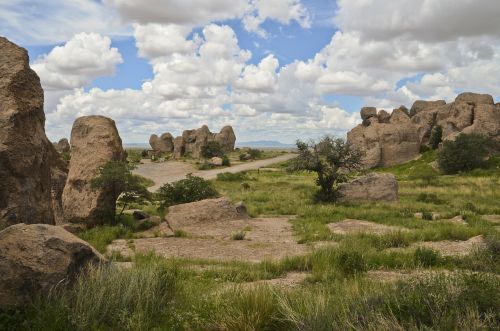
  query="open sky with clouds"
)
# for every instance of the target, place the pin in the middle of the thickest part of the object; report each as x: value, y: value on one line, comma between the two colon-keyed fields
x: 274, y: 69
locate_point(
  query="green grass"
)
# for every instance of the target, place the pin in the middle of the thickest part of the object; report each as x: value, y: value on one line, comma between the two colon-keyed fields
x: 444, y: 293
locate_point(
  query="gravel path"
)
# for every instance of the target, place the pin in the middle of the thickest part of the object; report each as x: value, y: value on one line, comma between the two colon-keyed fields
x: 171, y: 171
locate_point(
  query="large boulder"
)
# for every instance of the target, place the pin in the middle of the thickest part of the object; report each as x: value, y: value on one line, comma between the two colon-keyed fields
x: 372, y: 187
x: 475, y: 98
x: 226, y: 138
x: 200, y: 213
x: 94, y: 142
x: 25, y: 179
x: 162, y: 144
x: 35, y: 258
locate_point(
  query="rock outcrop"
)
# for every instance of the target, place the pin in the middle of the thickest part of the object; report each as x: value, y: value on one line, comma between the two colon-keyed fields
x: 386, y: 142
x: 25, y: 171
x: 192, y: 141
x: 59, y: 175
x: 62, y: 146
x: 204, y: 212
x: 393, y: 139
x: 34, y: 258
x: 372, y: 187
x: 162, y: 144
x: 94, y: 142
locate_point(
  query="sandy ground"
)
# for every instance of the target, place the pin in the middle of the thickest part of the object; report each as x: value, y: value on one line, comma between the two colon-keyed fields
x: 265, y: 239
x: 171, y: 171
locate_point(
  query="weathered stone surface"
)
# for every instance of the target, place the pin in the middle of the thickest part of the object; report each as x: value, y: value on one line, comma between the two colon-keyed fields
x: 383, y: 116
x: 216, y: 161
x: 63, y: 146
x: 454, y: 117
x: 162, y: 144
x: 59, y: 175
x: 204, y: 212
x: 422, y: 105
x: 226, y: 138
x: 388, y: 143
x: 372, y: 187
x: 25, y: 179
x: 38, y: 257
x: 367, y: 112
x: 94, y: 142
x: 192, y: 141
x: 475, y: 98
x: 424, y: 121
x: 486, y: 123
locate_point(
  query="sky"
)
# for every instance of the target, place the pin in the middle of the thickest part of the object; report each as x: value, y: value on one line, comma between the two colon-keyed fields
x: 273, y: 69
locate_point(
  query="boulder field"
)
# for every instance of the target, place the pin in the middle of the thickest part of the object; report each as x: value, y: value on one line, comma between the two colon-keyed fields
x: 390, y: 139
x: 192, y: 141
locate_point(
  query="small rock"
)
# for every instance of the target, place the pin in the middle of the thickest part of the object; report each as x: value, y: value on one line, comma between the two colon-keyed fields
x: 373, y: 187
x: 216, y: 161
x: 241, y: 208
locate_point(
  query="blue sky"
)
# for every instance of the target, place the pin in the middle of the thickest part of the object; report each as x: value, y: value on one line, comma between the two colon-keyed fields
x: 274, y: 69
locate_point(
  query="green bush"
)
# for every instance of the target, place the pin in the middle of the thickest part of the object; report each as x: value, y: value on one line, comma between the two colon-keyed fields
x: 467, y: 152
x: 225, y: 161
x: 239, y: 235
x: 212, y: 149
x: 186, y: 190
x: 427, y: 216
x: 436, y: 137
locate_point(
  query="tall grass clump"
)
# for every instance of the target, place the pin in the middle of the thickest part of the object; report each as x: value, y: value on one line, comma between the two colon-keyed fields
x: 110, y: 298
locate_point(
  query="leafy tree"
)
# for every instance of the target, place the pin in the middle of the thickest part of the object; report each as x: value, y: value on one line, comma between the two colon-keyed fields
x: 190, y: 189
x: 436, y: 137
x: 212, y: 149
x: 331, y: 159
x: 124, y: 187
x: 467, y: 152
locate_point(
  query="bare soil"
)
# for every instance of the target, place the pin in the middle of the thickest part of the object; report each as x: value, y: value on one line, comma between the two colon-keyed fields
x: 265, y: 239
x: 167, y: 172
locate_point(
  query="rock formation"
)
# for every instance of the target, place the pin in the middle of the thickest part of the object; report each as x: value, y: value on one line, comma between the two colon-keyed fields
x: 59, y: 175
x: 25, y: 179
x: 372, y: 187
x: 62, y: 146
x: 162, y: 144
x: 396, y: 138
x: 94, y: 142
x: 204, y: 212
x: 192, y: 141
x: 38, y: 257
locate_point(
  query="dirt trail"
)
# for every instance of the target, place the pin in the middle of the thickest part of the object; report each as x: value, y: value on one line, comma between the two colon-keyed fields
x: 171, y: 171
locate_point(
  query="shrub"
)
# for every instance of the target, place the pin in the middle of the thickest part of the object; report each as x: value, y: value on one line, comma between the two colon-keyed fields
x: 467, y: 152
x: 429, y: 198
x: 426, y: 257
x: 230, y: 177
x: 239, y: 235
x: 254, y: 153
x: 436, y: 137
x: 180, y: 234
x: 424, y: 148
x: 245, y: 186
x: 329, y: 159
x: 212, y: 149
x: 190, y: 189
x: 225, y: 161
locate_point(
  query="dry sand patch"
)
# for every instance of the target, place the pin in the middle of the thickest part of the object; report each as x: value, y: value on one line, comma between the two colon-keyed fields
x: 453, y: 248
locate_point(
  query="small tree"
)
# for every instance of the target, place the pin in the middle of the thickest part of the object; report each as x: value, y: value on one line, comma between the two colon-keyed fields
x: 436, y: 137
x: 467, y: 152
x: 212, y: 149
x: 331, y: 159
x: 124, y: 187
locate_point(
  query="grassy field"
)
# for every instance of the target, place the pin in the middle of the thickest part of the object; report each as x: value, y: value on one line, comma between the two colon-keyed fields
x: 338, y: 293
